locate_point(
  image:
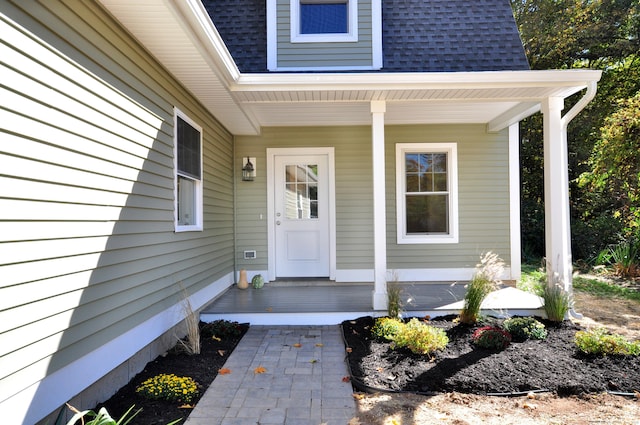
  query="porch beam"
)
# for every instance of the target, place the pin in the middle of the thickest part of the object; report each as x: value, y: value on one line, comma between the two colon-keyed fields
x: 378, y: 109
x: 513, y: 116
x: 556, y: 195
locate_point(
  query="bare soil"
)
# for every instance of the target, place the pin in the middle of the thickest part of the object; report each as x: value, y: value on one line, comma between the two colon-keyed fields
x: 456, y: 408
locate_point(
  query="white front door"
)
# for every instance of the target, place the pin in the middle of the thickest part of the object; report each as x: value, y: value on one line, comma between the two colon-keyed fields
x: 301, y: 215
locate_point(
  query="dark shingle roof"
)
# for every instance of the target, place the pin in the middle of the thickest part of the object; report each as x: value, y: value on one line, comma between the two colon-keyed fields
x: 418, y: 35
x: 242, y: 24
x: 450, y: 36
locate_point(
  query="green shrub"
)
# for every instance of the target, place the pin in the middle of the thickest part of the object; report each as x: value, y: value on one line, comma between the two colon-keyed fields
x: 557, y: 302
x: 484, y: 280
x: 421, y: 338
x: 523, y: 328
x: 387, y: 328
x: 170, y: 388
x: 600, y: 342
x: 221, y: 329
x: 491, y: 337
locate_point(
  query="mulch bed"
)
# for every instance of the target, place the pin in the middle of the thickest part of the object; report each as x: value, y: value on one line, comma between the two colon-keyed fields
x: 534, y: 365
x: 202, y: 367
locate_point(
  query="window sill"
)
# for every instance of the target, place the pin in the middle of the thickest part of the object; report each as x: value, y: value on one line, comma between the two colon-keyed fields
x: 180, y: 229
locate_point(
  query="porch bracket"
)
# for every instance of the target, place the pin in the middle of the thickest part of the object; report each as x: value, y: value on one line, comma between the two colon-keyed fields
x: 378, y: 109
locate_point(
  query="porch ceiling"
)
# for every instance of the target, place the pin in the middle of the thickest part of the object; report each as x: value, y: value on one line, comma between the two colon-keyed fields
x: 180, y: 34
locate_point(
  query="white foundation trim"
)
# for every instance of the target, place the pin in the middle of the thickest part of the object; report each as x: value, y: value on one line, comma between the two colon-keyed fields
x: 48, y: 395
x: 355, y: 275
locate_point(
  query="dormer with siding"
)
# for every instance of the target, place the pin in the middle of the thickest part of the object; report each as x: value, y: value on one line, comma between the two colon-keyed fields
x: 324, y: 35
x: 387, y: 36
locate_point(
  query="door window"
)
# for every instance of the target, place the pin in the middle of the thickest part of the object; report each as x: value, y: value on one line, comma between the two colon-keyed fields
x: 301, y: 191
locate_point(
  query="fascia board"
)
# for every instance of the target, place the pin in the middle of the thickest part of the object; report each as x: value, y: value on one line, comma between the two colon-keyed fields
x: 577, y: 79
x: 208, y: 38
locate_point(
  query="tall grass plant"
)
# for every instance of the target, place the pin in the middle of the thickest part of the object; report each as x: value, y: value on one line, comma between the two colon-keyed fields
x: 485, y: 280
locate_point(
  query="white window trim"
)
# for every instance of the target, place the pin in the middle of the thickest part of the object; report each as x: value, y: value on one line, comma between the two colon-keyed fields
x: 452, y: 166
x: 177, y: 113
x: 348, y: 37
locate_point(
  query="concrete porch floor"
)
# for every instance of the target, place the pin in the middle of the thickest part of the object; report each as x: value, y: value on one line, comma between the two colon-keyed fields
x: 322, y: 302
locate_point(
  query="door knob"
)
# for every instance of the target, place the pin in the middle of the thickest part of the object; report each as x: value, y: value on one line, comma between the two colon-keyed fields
x: 278, y: 222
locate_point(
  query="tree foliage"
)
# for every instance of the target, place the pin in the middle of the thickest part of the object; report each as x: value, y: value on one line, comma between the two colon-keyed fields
x: 615, y: 163
x: 563, y: 34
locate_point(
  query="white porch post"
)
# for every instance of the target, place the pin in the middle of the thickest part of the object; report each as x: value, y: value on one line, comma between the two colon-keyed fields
x: 378, y: 109
x: 514, y: 201
x: 556, y: 194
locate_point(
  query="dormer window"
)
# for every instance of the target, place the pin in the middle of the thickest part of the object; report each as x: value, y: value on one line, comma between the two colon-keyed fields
x: 324, y: 17
x: 314, y: 21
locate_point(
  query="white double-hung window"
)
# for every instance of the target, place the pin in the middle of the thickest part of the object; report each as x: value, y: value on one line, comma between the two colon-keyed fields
x: 188, y: 173
x: 324, y: 21
x: 427, y: 193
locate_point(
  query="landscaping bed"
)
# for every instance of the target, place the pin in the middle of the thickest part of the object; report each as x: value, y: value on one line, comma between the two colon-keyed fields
x: 553, y: 364
x: 202, y: 368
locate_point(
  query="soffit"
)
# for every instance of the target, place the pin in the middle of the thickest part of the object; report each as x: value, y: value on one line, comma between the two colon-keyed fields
x: 189, y: 49
x: 182, y: 37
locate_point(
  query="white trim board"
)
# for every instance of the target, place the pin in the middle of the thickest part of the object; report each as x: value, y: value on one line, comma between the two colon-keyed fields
x: 417, y: 275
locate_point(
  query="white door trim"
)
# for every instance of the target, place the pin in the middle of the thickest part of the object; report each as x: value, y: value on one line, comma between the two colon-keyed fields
x: 271, y: 245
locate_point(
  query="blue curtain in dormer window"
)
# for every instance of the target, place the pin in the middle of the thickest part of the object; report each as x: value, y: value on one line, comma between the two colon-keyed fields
x: 323, y: 18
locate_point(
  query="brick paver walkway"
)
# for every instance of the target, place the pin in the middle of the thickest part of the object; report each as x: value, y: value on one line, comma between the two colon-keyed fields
x: 302, y: 382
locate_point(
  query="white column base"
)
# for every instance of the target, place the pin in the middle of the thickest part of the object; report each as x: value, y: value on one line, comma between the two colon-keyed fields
x: 380, y: 301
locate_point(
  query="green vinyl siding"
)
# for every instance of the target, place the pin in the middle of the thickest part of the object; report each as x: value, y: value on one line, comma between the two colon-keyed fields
x: 316, y: 54
x: 483, y: 197
x: 87, y: 243
x: 483, y: 194
x: 354, y: 217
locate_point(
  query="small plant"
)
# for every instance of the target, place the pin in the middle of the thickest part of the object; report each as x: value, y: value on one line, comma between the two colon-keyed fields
x: 485, y: 279
x: 102, y: 417
x: 170, y: 388
x: 191, y: 343
x: 221, y: 329
x: 394, y: 300
x: 421, y: 338
x: 387, y: 328
x: 491, y: 337
x: 625, y: 259
x: 599, y: 342
x: 523, y: 328
x: 557, y: 302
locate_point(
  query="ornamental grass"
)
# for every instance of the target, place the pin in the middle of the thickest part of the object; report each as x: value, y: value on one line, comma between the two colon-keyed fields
x: 484, y: 281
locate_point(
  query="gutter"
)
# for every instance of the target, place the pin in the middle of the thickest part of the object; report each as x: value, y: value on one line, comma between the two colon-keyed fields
x: 592, y: 87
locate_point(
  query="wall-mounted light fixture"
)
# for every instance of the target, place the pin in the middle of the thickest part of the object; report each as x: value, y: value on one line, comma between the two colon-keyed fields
x: 248, y: 169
